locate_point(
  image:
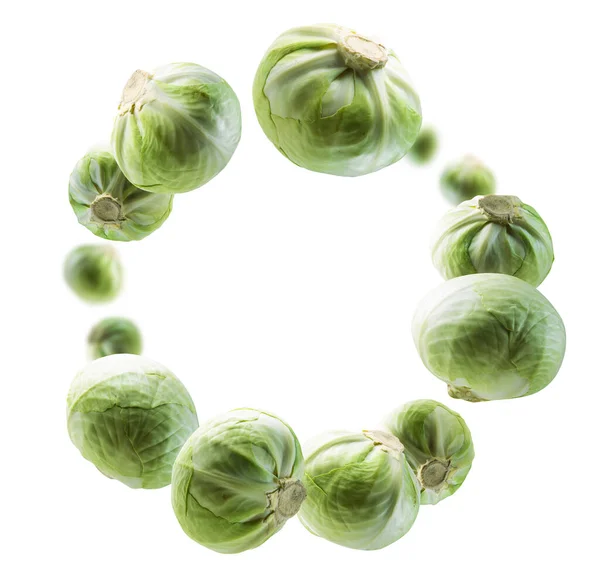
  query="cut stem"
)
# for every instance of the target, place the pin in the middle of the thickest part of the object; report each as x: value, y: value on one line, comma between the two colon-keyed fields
x: 106, y: 209
x: 433, y: 473
x: 287, y: 499
x: 500, y: 209
x: 388, y: 442
x: 464, y: 393
x: 362, y: 54
x: 134, y: 90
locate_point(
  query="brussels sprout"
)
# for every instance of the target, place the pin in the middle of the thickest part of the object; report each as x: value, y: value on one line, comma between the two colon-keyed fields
x: 489, y: 336
x: 110, y: 206
x: 130, y: 416
x: 361, y: 492
x: 425, y: 147
x: 176, y: 128
x: 493, y: 234
x: 466, y: 179
x: 94, y: 272
x: 114, y: 336
x: 237, y: 480
x: 437, y: 444
x: 334, y: 101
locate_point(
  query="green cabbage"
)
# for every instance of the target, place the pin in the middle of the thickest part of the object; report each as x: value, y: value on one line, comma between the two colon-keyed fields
x: 425, y: 146
x: 361, y: 492
x: 493, y: 234
x: 114, y: 336
x: 465, y: 179
x: 107, y: 204
x: 237, y: 480
x: 437, y: 444
x: 334, y: 101
x: 130, y: 416
x: 489, y: 336
x: 94, y: 272
x: 176, y: 128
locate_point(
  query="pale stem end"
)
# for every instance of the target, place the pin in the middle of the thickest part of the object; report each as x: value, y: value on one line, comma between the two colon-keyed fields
x: 134, y: 90
x: 388, y: 442
x: 106, y: 209
x: 500, y: 209
x: 464, y: 393
x: 362, y: 54
x: 433, y: 473
x: 287, y: 499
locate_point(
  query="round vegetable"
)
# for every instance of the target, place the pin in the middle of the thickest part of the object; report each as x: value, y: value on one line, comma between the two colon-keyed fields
x: 237, y: 480
x: 466, y: 179
x: 493, y: 234
x: 114, y: 336
x: 437, y: 444
x: 425, y: 147
x: 130, y: 416
x: 94, y: 272
x: 107, y: 204
x: 176, y: 128
x: 334, y: 101
x: 489, y: 336
x: 361, y: 492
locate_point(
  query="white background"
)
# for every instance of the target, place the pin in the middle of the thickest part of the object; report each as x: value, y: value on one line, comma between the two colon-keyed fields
x: 274, y: 287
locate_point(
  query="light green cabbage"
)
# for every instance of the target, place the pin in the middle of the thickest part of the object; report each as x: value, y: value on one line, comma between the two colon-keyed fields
x: 107, y: 204
x: 176, y: 128
x: 465, y: 179
x: 361, y: 492
x: 489, y: 336
x: 425, y: 146
x: 94, y: 272
x: 130, y: 416
x: 114, y: 336
x: 334, y: 101
x: 237, y: 480
x: 493, y: 234
x: 437, y: 444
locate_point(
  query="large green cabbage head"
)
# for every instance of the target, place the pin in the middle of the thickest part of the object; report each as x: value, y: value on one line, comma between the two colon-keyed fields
x: 130, y: 416
x: 489, y: 336
x: 107, y: 204
x: 361, y: 492
x: 176, y: 128
x: 334, y: 101
x: 493, y: 234
x: 237, y: 480
x: 437, y: 444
